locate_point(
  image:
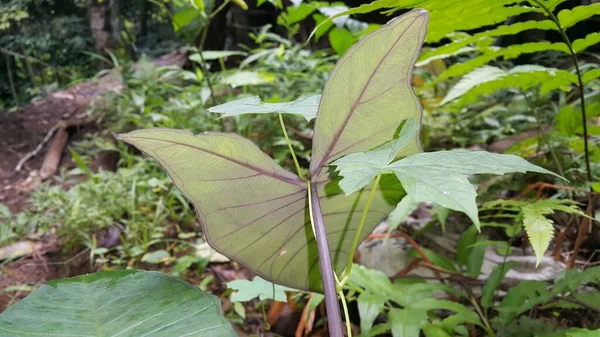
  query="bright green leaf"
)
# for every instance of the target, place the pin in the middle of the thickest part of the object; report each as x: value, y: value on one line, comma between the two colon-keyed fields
x: 242, y: 78
x: 570, y: 17
x: 341, y: 39
x: 156, y: 256
x: 117, y: 303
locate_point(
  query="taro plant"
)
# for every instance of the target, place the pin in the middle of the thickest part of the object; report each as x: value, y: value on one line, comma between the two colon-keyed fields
x: 302, y: 230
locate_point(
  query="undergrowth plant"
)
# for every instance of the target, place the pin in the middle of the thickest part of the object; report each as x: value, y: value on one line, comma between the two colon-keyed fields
x: 281, y: 225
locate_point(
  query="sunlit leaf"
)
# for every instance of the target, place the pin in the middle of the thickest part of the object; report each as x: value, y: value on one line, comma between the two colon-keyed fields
x: 117, y: 303
x: 305, y: 106
x: 242, y: 78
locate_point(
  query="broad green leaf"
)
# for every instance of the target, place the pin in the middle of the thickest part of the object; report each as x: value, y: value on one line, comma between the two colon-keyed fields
x: 185, y: 16
x: 358, y: 169
x: 539, y: 229
x: 439, y: 177
x: 493, y: 282
x: 258, y: 287
x: 591, y: 75
x: 305, y: 106
x: 255, y: 212
x: 407, y: 322
x: 570, y: 17
x: 341, y: 39
x: 369, y: 307
x: 298, y: 13
x: 359, y: 109
x: 117, y: 303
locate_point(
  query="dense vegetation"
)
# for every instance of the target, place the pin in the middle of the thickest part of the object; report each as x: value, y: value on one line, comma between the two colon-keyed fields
x: 462, y: 252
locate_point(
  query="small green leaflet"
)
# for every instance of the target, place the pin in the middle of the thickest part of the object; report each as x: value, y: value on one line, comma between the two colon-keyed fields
x: 438, y: 177
x: 358, y: 169
x: 403, y: 209
x: 306, y: 106
x: 258, y: 287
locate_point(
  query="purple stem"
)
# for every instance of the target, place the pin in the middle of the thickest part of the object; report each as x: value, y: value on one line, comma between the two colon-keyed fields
x: 334, y: 317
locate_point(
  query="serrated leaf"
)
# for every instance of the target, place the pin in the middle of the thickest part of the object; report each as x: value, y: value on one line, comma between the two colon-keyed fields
x: 407, y: 322
x: 539, y: 229
x: 305, y: 106
x: 258, y: 287
x: 439, y: 177
x: 117, y: 303
x: 358, y: 169
x: 253, y: 211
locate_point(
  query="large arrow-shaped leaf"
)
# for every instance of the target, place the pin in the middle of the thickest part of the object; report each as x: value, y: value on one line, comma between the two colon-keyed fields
x: 254, y: 211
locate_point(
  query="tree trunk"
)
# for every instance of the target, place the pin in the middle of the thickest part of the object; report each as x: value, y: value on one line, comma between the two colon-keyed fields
x: 105, y: 24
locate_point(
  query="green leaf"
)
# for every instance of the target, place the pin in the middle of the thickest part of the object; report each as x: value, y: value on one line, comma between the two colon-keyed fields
x: 258, y: 287
x: 243, y: 78
x: 407, y: 322
x: 582, y: 44
x: 435, y: 258
x: 570, y: 17
x: 305, y: 106
x: 459, y: 44
x: 403, y: 210
x: 584, y: 333
x: 210, y: 55
x: 155, y: 257
x: 369, y: 307
x: 360, y: 168
x: 439, y: 176
x: 493, y: 282
x: 341, y: 39
x: 434, y: 331
x: 488, y: 79
x: 253, y: 211
x: 590, y: 75
x: 117, y: 303
x: 299, y: 13
x: 539, y: 229
x: 185, y: 16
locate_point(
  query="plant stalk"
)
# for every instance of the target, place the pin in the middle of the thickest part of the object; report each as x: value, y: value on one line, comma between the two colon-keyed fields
x: 289, y: 144
x: 334, y: 318
x: 361, y: 224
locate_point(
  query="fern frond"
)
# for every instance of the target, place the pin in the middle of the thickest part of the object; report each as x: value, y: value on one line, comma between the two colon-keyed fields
x: 569, y: 17
x: 477, y: 83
